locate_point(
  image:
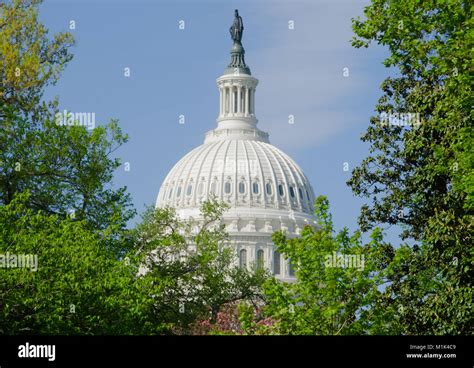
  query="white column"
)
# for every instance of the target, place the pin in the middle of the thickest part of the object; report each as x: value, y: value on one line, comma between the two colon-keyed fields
x: 250, y: 101
x: 268, y: 259
x: 221, y: 105
x: 247, y: 97
x: 223, y: 100
x: 239, y: 99
x: 226, y: 101
x: 253, y: 101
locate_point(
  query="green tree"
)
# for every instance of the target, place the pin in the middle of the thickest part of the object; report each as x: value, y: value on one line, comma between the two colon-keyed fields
x: 80, y: 286
x: 336, y: 291
x: 29, y: 60
x: 67, y: 169
x: 190, y: 267
x: 420, y: 176
x: 77, y: 287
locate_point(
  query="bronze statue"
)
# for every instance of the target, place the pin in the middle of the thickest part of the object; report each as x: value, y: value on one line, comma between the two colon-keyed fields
x: 237, y: 28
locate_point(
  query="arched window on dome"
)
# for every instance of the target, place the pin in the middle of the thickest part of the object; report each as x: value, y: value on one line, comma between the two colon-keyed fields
x: 276, y: 262
x: 243, y: 258
x: 227, y: 187
x: 260, y: 259
x: 241, y: 187
x: 178, y: 192
x: 281, y: 190
x: 214, y: 187
x: 307, y: 196
x: 170, y: 193
x: 255, y: 188
x: 200, y: 188
x: 189, y: 190
x: 268, y: 188
x: 292, y: 192
x: 300, y: 192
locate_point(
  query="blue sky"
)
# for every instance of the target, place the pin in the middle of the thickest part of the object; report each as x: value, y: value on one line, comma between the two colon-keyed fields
x: 173, y: 73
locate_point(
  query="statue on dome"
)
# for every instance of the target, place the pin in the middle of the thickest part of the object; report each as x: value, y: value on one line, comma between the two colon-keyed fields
x: 237, y: 28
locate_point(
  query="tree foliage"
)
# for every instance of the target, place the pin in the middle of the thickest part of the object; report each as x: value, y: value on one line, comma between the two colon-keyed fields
x: 29, y: 59
x: 79, y: 286
x: 336, y: 290
x: 66, y: 169
x: 421, y: 176
x: 191, y: 267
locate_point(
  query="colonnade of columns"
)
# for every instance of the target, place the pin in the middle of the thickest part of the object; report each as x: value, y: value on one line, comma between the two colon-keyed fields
x: 237, y: 100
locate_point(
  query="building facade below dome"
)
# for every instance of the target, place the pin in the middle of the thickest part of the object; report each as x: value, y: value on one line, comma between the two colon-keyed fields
x: 266, y: 190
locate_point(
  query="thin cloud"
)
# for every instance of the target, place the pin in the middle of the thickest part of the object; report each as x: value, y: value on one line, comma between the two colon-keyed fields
x: 301, y: 73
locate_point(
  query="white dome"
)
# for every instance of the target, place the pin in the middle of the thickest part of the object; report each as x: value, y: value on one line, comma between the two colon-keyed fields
x: 242, y: 173
x: 266, y: 190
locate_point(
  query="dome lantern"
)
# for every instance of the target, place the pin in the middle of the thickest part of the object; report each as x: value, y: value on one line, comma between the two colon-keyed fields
x: 237, y: 95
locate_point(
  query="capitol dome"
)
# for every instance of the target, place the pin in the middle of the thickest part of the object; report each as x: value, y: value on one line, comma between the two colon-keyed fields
x: 265, y: 189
